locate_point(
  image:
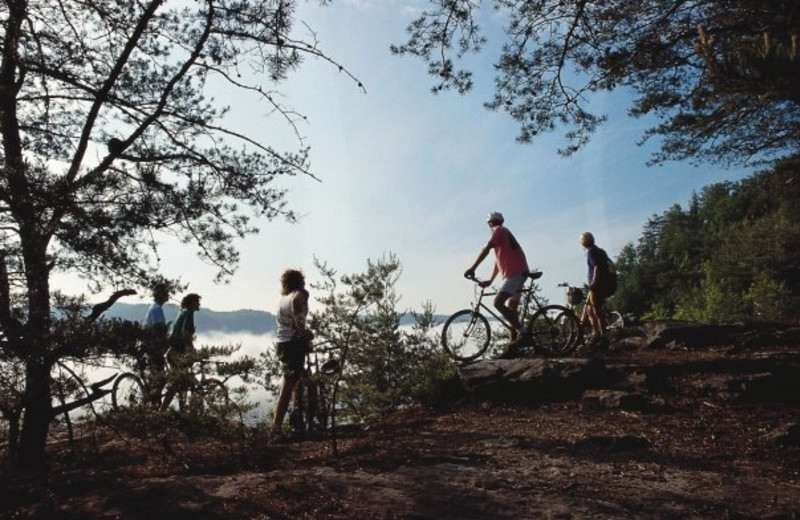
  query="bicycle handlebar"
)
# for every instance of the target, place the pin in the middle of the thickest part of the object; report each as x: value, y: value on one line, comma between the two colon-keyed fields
x: 315, y: 347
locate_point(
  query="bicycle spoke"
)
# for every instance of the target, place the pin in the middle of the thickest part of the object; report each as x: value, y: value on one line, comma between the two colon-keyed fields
x: 466, y: 335
x: 555, y: 330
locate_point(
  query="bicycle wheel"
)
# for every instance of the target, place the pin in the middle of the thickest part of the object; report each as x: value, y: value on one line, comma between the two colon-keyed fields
x: 580, y: 332
x: 614, y: 320
x: 314, y: 404
x: 212, y: 394
x: 466, y: 335
x: 128, y: 392
x: 555, y: 330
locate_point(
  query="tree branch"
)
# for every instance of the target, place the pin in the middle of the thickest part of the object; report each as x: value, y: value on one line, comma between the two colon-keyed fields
x: 100, y: 308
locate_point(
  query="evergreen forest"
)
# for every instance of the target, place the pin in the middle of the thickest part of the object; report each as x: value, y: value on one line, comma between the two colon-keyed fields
x: 732, y: 254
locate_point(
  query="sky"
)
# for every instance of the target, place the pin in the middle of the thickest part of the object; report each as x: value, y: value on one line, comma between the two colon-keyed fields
x: 406, y: 172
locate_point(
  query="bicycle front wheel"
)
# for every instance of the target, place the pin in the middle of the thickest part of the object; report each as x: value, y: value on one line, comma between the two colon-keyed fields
x: 314, y: 405
x: 466, y: 335
x: 128, y: 392
x: 555, y: 330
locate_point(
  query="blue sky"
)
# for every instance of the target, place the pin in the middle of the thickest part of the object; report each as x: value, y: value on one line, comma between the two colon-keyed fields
x: 407, y: 172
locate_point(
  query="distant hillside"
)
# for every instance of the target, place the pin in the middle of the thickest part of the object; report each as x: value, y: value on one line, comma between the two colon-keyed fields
x: 254, y: 322
x: 246, y: 320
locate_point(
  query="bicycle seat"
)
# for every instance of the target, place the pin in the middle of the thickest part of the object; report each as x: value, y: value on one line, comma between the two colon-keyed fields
x: 535, y: 275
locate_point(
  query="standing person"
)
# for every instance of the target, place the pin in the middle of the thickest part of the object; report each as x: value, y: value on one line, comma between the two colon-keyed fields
x: 293, y: 339
x: 598, y: 283
x: 181, y: 348
x: 156, y: 342
x: 511, y: 264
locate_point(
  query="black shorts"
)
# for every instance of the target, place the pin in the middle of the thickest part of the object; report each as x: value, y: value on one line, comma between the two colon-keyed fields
x: 291, y: 354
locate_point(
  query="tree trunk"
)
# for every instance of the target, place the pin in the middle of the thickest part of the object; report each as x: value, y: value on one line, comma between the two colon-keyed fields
x: 36, y: 421
x: 36, y: 401
x: 13, y: 417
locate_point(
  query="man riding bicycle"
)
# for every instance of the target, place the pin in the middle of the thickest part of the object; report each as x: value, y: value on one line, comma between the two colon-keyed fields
x: 511, y: 264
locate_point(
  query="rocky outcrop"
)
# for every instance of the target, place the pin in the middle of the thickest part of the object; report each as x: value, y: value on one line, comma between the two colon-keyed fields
x: 531, y: 381
x: 624, y: 376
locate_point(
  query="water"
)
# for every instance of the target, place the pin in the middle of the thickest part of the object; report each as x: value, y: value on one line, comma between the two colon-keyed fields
x: 249, y: 345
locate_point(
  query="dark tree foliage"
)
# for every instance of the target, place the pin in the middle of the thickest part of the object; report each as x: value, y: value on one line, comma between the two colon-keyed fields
x: 109, y: 134
x: 733, y: 253
x: 721, y: 76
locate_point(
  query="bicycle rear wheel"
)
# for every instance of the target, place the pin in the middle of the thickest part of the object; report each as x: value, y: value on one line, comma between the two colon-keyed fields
x: 466, y: 335
x: 210, y: 395
x: 128, y: 392
x: 555, y: 330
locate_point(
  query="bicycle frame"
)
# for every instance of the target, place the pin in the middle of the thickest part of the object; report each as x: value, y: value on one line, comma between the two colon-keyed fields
x: 310, y: 414
x: 583, y: 319
x: 527, y: 295
x: 466, y: 335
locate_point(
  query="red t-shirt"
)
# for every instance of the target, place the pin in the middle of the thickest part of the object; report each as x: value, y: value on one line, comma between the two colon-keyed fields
x: 510, y: 256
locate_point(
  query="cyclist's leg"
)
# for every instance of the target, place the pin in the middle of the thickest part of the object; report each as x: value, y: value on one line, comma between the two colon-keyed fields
x: 507, y: 306
x: 172, y: 384
x: 287, y: 391
x: 156, y: 377
x: 507, y: 301
x: 291, y: 355
x: 594, y: 304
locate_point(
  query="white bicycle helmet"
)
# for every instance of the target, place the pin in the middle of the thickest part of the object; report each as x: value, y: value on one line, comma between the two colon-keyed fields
x: 496, y: 216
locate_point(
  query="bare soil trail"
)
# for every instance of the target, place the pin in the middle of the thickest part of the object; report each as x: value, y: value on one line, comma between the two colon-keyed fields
x: 700, y: 429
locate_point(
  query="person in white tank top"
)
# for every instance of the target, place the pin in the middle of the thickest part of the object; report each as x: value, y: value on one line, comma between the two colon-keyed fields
x: 294, y: 339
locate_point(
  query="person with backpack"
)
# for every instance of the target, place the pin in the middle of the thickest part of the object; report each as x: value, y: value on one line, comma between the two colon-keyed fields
x: 601, y: 284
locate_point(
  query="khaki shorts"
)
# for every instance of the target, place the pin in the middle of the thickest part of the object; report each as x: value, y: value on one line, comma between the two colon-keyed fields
x: 596, y: 299
x: 513, y: 285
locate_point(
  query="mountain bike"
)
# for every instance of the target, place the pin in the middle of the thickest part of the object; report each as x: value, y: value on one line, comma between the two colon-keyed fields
x: 576, y: 301
x: 466, y: 335
x: 196, y: 392
x: 311, y: 412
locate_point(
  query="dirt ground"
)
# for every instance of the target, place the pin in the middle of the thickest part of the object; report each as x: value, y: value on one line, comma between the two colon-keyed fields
x: 705, y: 454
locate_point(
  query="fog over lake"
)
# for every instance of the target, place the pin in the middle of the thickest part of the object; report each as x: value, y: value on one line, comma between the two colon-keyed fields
x: 249, y: 345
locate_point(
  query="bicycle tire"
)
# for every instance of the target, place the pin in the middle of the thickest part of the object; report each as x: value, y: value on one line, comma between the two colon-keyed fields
x: 213, y: 395
x: 128, y: 392
x: 466, y: 335
x: 555, y: 330
x: 582, y: 331
x: 317, y: 417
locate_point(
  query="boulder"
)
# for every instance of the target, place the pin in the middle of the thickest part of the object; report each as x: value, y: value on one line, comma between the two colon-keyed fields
x: 532, y: 381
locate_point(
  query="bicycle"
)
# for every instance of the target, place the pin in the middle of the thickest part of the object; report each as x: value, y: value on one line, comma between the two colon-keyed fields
x: 196, y: 392
x: 311, y: 412
x: 466, y: 335
x: 576, y: 300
